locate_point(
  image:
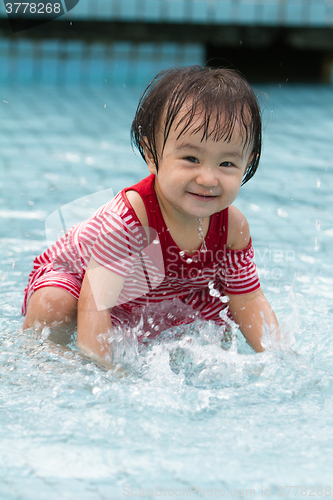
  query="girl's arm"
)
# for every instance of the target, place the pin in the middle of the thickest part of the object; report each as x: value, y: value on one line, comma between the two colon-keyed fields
x: 249, y: 312
x: 252, y: 309
x: 100, y: 291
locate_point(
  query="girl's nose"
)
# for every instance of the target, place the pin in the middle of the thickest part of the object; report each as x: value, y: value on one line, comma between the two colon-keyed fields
x: 206, y: 177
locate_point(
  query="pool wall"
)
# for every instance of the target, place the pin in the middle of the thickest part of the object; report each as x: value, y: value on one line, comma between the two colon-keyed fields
x: 269, y: 12
x: 128, y: 41
x: 76, y: 62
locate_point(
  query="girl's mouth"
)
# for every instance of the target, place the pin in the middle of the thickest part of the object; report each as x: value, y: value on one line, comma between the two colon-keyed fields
x: 203, y: 197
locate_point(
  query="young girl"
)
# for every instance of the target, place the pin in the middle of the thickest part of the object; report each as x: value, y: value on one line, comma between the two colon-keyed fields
x: 172, y: 239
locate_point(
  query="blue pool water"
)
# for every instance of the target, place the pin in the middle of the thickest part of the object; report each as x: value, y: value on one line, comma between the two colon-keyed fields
x: 187, y: 414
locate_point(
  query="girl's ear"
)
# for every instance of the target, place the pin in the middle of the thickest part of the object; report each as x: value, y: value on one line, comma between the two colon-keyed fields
x: 148, y: 157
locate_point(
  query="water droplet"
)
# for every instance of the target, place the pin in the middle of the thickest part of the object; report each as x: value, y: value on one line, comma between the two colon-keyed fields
x: 201, y: 236
x: 224, y: 299
x: 215, y: 293
x: 316, y: 247
x: 45, y: 332
x: 282, y: 213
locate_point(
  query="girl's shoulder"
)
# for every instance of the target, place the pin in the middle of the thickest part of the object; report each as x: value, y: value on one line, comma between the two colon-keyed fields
x: 138, y: 206
x: 238, y: 230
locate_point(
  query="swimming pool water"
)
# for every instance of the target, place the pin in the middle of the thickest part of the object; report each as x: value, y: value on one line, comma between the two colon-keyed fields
x: 187, y: 414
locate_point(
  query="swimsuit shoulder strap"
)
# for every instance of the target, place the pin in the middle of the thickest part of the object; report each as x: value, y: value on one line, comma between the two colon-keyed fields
x: 145, y: 189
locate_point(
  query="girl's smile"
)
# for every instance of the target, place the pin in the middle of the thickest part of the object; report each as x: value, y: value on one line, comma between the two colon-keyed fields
x: 204, y: 197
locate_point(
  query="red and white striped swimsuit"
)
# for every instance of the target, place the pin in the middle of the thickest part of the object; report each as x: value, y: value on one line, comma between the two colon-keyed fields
x: 114, y: 237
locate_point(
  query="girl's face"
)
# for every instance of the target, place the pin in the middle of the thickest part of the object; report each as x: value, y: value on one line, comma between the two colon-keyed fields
x: 197, y: 178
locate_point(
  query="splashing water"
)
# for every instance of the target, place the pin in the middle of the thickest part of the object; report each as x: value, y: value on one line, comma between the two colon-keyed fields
x: 184, y: 393
x: 201, y: 236
x: 231, y: 326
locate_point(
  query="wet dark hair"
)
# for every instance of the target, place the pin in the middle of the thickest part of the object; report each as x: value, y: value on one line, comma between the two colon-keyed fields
x: 222, y: 96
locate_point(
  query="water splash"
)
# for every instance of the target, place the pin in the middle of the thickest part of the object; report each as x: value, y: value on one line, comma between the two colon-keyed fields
x: 316, y: 245
x: 283, y: 339
x: 201, y: 236
x: 231, y: 327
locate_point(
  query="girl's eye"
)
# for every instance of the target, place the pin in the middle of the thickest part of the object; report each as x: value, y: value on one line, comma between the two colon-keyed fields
x: 226, y: 164
x: 192, y: 159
